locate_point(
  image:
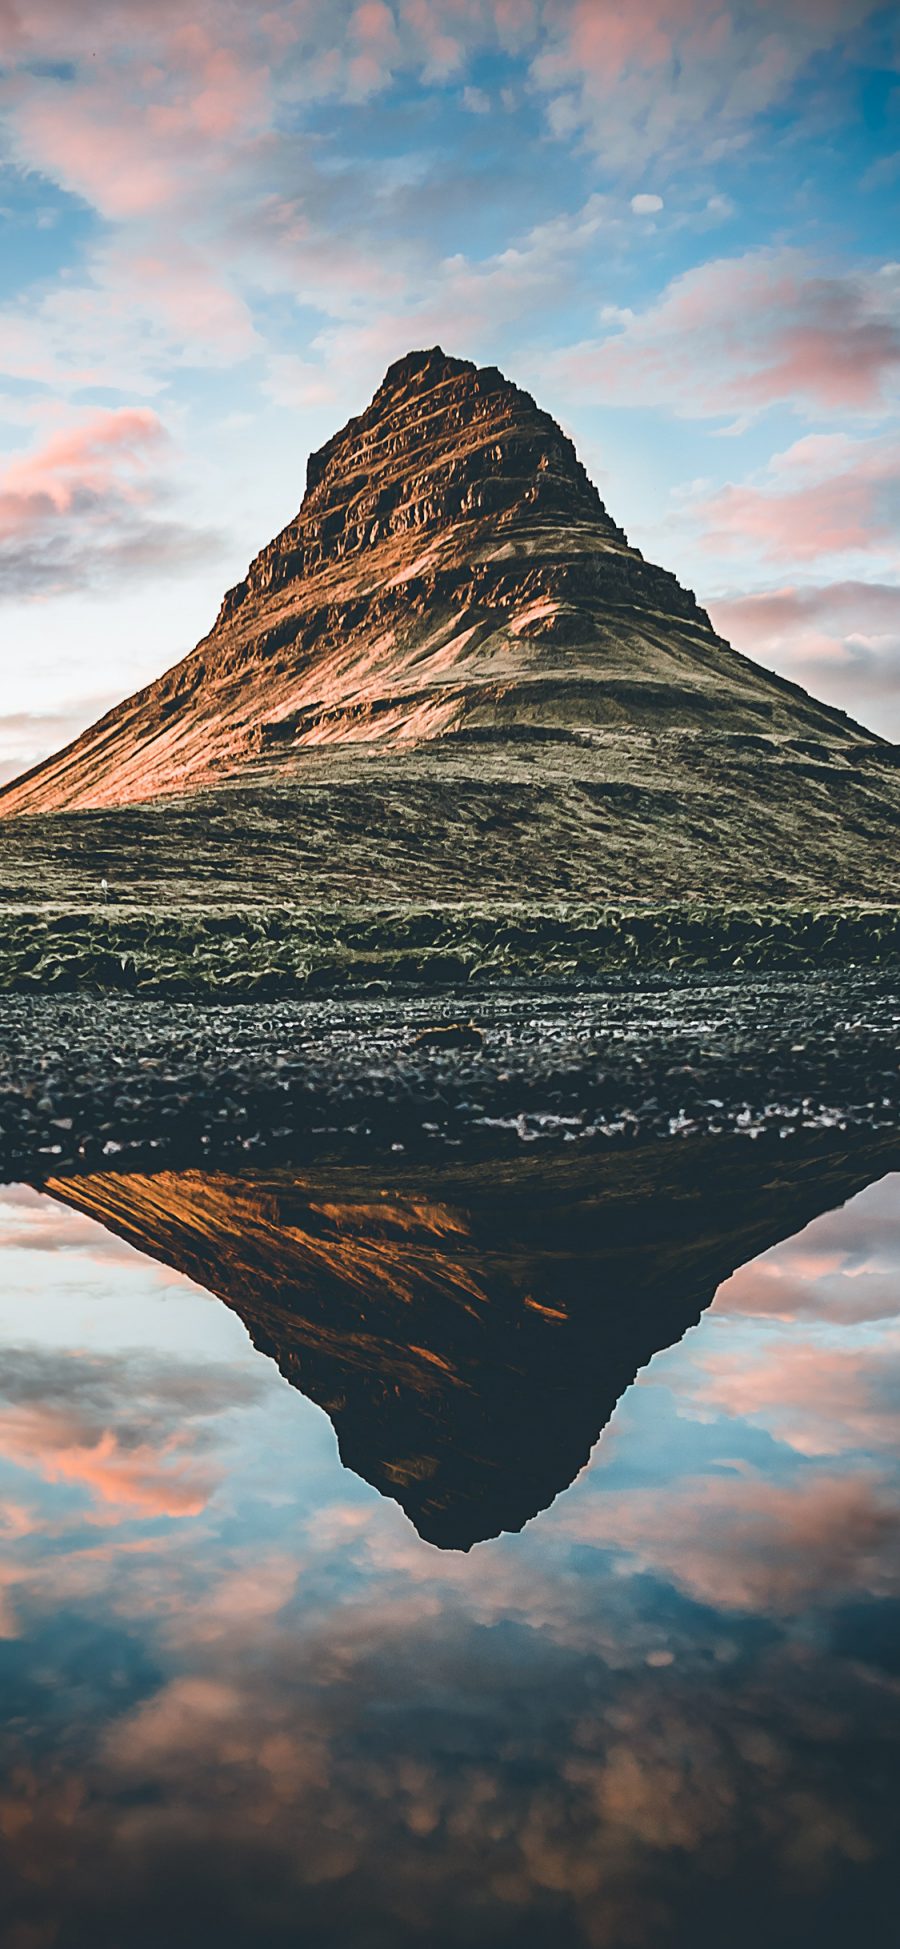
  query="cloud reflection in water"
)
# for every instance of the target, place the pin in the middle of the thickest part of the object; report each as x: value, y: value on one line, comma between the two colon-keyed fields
x: 245, y: 1702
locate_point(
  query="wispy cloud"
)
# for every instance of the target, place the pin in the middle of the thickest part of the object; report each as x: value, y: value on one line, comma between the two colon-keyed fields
x: 89, y: 503
x: 839, y: 639
x: 740, y: 334
x: 663, y: 77
x: 827, y: 495
x: 134, y: 1436
x: 742, y: 1543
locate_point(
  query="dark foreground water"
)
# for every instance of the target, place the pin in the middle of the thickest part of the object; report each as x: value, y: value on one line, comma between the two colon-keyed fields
x: 252, y: 1695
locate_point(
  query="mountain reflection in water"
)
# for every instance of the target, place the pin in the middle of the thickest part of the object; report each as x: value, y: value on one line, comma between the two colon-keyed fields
x: 244, y: 1703
x: 470, y: 1331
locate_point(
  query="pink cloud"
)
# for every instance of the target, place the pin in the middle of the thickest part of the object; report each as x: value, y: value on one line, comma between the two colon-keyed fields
x: 100, y: 458
x: 817, y: 1285
x: 190, y: 1716
x: 842, y: 1268
x: 841, y: 640
x: 227, y: 96
x: 147, y: 301
x: 135, y: 143
x: 444, y: 51
x: 646, y: 1783
x: 600, y: 43
x: 830, y: 518
x: 32, y: 1222
x: 826, y: 495
x: 738, y: 334
x: 186, y: 132
x: 200, y: 315
x: 96, y: 149
x: 158, y: 92
x: 236, y: 1606
x: 602, y: 68
x: 89, y: 505
x: 373, y: 24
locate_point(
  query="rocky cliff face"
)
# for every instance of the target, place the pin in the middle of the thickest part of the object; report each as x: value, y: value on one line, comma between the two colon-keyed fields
x: 452, y: 574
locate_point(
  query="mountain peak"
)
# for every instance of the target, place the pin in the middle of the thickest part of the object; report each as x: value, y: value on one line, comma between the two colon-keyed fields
x: 452, y: 572
x: 442, y: 440
x: 422, y: 367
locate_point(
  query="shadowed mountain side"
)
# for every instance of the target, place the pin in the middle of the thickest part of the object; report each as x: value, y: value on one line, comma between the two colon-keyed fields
x: 469, y: 1331
x: 453, y: 589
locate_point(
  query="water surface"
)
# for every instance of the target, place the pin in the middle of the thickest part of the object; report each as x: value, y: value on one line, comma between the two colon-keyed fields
x: 251, y: 1694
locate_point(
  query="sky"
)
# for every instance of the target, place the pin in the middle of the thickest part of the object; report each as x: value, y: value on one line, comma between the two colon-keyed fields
x: 675, y: 223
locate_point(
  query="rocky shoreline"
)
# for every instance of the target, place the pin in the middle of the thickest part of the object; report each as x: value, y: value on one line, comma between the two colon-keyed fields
x: 133, y: 1082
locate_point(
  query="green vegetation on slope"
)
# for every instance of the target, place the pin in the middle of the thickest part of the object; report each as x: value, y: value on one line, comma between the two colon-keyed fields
x: 268, y: 951
x: 660, y: 821
x: 435, y: 869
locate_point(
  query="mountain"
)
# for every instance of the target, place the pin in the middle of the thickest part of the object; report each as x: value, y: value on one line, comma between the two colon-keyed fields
x: 453, y: 639
x: 470, y: 1329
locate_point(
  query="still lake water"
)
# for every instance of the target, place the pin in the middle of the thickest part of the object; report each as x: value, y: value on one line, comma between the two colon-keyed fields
x: 245, y: 1702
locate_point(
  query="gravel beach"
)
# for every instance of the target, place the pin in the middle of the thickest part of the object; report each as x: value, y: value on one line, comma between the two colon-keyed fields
x: 122, y: 1082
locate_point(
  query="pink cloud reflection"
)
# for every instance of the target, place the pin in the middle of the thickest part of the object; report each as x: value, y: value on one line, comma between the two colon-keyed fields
x: 743, y: 1543
x: 145, y: 1479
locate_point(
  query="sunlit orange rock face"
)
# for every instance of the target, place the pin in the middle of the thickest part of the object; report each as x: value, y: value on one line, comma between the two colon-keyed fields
x: 451, y: 574
x: 470, y: 1329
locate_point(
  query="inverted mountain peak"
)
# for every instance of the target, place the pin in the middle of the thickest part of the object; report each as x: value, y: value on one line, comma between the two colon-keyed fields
x: 466, y: 1331
x: 452, y: 572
